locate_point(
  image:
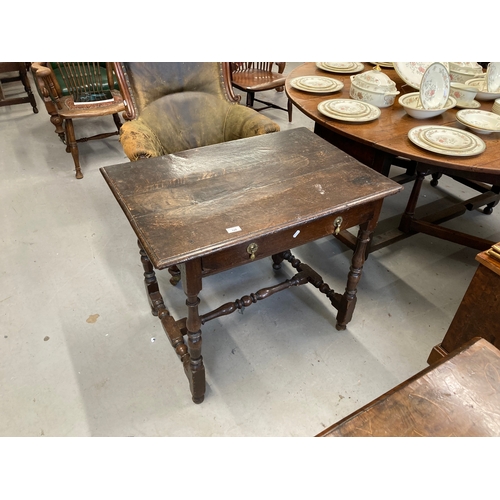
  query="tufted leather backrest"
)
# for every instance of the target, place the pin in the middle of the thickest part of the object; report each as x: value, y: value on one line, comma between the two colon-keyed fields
x: 152, y: 80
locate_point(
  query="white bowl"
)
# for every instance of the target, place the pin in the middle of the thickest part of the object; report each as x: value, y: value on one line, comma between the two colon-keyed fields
x: 482, y: 122
x: 482, y: 93
x: 412, y: 105
x: 464, y: 94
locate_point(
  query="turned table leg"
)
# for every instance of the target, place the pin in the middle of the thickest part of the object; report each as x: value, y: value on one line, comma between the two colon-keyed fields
x: 150, y: 282
x: 195, y: 370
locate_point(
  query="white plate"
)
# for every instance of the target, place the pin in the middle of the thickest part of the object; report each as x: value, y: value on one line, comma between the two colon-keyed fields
x: 483, y: 122
x: 493, y: 77
x: 412, y: 72
x: 435, y: 86
x: 436, y: 138
x: 446, y: 140
x: 482, y: 93
x: 316, y: 84
x: 341, y: 67
x: 383, y: 64
x: 470, y: 105
x: 349, y: 110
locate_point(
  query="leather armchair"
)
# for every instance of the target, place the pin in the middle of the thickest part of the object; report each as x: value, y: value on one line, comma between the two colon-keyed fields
x: 175, y: 106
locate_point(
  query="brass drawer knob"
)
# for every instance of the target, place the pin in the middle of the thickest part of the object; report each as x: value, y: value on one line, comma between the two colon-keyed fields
x: 252, y: 249
x: 336, y: 225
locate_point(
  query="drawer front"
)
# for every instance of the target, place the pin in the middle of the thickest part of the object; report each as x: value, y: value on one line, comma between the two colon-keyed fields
x: 286, y: 239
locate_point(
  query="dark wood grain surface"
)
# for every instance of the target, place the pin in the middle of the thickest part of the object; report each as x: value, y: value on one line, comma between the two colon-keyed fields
x: 457, y: 396
x: 181, y: 206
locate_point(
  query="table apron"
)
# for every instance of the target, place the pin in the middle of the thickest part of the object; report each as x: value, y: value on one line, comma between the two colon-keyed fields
x: 288, y: 238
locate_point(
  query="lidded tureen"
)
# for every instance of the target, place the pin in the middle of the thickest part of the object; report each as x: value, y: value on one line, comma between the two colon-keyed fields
x: 374, y: 87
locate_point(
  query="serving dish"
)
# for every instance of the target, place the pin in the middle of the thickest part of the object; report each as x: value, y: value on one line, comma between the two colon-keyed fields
x: 374, y: 87
x: 482, y: 92
x: 413, y: 106
x: 482, y: 122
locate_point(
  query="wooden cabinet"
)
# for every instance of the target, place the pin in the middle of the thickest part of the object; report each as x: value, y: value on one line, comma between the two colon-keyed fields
x: 479, y: 312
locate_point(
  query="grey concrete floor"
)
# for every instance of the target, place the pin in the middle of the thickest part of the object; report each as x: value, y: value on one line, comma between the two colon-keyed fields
x: 77, y: 355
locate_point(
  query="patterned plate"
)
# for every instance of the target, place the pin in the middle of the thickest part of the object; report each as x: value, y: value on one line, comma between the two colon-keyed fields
x: 316, y: 84
x: 341, y: 67
x: 447, y: 140
x: 412, y: 72
x: 435, y: 86
x: 349, y: 110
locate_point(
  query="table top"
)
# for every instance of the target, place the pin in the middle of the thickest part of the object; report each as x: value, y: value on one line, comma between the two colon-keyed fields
x: 456, y: 396
x: 196, y: 202
x: 389, y: 133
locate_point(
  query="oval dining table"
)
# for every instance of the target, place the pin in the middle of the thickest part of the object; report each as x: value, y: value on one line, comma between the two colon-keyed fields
x: 383, y: 143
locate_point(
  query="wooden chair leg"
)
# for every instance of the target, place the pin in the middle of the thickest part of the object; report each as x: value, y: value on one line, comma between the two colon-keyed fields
x: 72, y: 147
x: 250, y: 99
x: 118, y: 123
x: 290, y: 108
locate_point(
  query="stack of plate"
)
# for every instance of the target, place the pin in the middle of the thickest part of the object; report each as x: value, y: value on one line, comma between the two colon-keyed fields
x: 496, y: 107
x: 446, y: 140
x: 341, y: 67
x: 316, y: 84
x: 349, y: 110
x: 482, y: 122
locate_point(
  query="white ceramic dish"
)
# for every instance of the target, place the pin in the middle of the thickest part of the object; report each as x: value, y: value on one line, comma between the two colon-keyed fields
x: 482, y: 93
x: 317, y: 84
x: 349, y: 110
x: 412, y: 72
x: 482, y: 122
x: 469, y: 105
x: 341, y: 67
x: 374, y: 87
x: 383, y: 64
x: 446, y: 140
x: 493, y: 77
x: 412, y: 105
x: 435, y: 86
x: 464, y: 94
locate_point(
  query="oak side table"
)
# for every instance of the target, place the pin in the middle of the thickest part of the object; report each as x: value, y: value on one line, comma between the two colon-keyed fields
x: 206, y: 210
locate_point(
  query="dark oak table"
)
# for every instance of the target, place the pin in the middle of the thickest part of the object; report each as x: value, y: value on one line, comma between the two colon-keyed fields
x: 384, y: 142
x: 210, y: 209
x: 457, y: 396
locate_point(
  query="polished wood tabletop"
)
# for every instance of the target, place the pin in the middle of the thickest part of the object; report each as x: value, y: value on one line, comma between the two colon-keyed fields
x: 389, y: 133
x: 384, y: 143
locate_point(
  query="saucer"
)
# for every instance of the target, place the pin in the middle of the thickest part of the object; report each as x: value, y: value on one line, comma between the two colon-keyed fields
x: 470, y: 105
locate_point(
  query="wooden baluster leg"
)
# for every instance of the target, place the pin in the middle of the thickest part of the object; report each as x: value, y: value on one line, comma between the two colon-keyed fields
x: 72, y: 147
x: 118, y: 122
x: 348, y: 300
x: 407, y: 217
x: 150, y: 283
x: 195, y: 370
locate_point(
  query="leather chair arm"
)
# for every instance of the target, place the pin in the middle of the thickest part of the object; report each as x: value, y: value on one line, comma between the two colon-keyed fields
x: 139, y: 141
x: 244, y: 122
